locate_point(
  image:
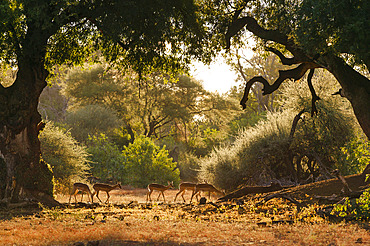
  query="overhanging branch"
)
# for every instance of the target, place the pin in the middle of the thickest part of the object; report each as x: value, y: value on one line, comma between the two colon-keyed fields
x: 284, y: 60
x: 295, y: 74
x: 315, y: 97
x: 252, y: 25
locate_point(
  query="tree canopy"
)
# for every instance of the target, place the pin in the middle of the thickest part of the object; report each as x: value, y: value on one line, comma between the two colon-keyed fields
x: 308, y: 34
x: 37, y: 34
x: 143, y: 33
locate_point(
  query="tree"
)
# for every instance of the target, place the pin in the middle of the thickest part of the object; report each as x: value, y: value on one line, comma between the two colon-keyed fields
x: 37, y: 34
x: 152, y: 105
x: 258, y: 66
x: 271, y: 150
x: 309, y: 34
x: 147, y: 163
x: 66, y: 157
x: 92, y: 120
x: 107, y: 160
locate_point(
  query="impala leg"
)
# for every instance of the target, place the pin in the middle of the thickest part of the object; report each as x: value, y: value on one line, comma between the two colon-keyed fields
x: 177, y: 195
x: 75, y: 195
x: 72, y: 193
x: 150, y: 193
x: 192, y: 195
x: 97, y: 195
x: 164, y: 199
x: 158, y: 196
x: 108, y: 197
x: 183, y: 196
x: 148, y: 196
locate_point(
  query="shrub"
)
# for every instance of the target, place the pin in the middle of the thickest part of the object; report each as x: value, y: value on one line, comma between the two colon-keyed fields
x: 252, y: 156
x: 358, y: 209
x: 107, y: 161
x: 265, y: 152
x: 189, y: 167
x: 147, y: 163
x: 68, y: 159
x: 354, y: 156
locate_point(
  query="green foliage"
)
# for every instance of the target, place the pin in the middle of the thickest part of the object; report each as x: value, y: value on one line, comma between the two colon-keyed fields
x: 354, y: 156
x: 336, y: 27
x: 147, y: 163
x: 107, y: 161
x: 91, y: 120
x: 92, y: 84
x: 52, y: 104
x: 189, y: 166
x: 145, y: 33
x: 358, y: 209
x: 265, y: 152
x: 68, y: 159
x: 204, y: 138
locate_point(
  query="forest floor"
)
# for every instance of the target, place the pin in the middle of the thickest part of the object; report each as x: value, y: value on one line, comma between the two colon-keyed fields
x: 129, y: 220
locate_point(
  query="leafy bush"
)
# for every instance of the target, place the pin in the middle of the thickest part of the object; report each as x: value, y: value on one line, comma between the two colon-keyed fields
x: 68, y: 159
x: 354, y: 156
x: 358, y: 209
x: 265, y: 152
x: 107, y: 161
x: 189, y: 167
x: 147, y: 163
x: 251, y: 157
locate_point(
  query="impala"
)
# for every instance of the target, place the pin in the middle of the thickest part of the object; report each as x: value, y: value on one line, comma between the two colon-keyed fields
x: 80, y: 187
x: 186, y: 186
x: 105, y: 187
x: 158, y: 187
x: 205, y: 187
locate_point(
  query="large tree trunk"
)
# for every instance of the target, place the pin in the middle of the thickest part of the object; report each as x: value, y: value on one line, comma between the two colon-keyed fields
x: 20, y: 123
x: 355, y: 87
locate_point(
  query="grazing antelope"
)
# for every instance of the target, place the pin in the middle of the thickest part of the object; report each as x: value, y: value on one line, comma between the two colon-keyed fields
x: 205, y: 187
x: 104, y: 187
x: 186, y: 186
x: 80, y: 187
x: 158, y: 187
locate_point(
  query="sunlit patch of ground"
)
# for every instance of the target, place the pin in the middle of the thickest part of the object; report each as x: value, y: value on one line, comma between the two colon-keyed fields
x: 129, y: 220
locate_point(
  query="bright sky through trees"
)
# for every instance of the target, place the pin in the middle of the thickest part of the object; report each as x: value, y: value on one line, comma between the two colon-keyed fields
x: 216, y: 77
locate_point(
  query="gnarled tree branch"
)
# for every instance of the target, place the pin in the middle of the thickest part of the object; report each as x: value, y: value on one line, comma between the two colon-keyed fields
x: 295, y: 73
x: 315, y: 97
x: 283, y: 59
x: 271, y: 35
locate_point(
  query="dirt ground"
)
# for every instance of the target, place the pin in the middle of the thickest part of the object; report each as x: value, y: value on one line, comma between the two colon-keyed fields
x: 129, y: 220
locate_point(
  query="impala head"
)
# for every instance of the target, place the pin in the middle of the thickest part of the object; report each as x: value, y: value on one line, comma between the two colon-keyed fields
x: 170, y: 184
x: 119, y: 185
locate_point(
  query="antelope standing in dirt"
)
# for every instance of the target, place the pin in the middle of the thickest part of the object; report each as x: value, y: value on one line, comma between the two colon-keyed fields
x: 158, y: 187
x: 104, y: 187
x: 205, y: 187
x: 186, y: 186
x: 80, y: 187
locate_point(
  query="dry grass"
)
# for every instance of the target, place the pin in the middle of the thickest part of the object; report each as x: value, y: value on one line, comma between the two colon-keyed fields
x: 174, y: 224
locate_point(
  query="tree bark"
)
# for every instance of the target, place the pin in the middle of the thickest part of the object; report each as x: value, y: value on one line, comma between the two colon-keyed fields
x: 20, y: 124
x: 355, y: 87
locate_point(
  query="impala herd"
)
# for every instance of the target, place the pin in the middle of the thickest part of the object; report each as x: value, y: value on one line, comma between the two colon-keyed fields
x: 196, y: 189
